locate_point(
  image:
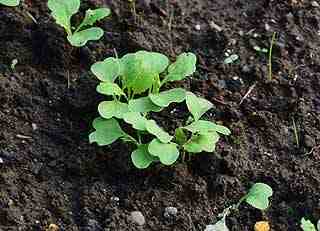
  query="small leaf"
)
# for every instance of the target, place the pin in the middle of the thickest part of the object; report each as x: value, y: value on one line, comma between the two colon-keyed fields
x: 219, y: 226
x: 10, y: 2
x: 258, y: 196
x: 318, y: 225
x: 109, y: 89
x: 202, y: 142
x: 62, y: 11
x: 143, y: 104
x: 154, y: 129
x: 231, y: 59
x: 141, y: 158
x: 306, y: 225
x: 204, y: 126
x: 107, y: 131
x: 197, y: 105
x: 136, y: 120
x: 163, y: 99
x: 93, y: 16
x: 184, y: 66
x: 180, y: 136
x: 109, y: 109
x: 167, y: 153
x: 155, y: 61
x: 107, y: 70
x: 79, y: 39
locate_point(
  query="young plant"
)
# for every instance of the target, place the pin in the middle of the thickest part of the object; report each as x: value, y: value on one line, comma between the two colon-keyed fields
x: 10, y: 2
x: 307, y: 225
x: 257, y: 197
x: 133, y: 85
x: 63, y: 10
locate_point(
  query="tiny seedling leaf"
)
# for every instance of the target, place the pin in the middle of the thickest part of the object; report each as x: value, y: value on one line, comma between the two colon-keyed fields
x: 109, y: 89
x: 109, y: 109
x: 136, y: 120
x: 204, y: 126
x: 141, y: 158
x: 197, y: 105
x: 62, y: 11
x: 202, y: 142
x: 93, y: 16
x: 231, y: 59
x: 107, y: 70
x: 163, y: 99
x: 306, y: 225
x: 184, y: 66
x: 10, y: 2
x: 167, y: 153
x: 180, y: 136
x: 143, y: 104
x: 154, y: 129
x: 107, y: 131
x: 79, y: 39
x: 258, y: 196
x: 219, y: 226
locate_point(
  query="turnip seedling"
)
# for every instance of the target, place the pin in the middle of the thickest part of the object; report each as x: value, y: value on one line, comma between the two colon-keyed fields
x: 133, y: 85
x: 10, y: 2
x: 306, y: 225
x: 63, y: 10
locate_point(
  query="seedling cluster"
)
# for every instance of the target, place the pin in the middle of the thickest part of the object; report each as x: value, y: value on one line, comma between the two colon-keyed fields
x: 133, y: 85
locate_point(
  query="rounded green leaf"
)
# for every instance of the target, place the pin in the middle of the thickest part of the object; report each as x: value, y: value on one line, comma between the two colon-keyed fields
x: 167, y: 153
x: 62, y: 11
x: 258, y: 196
x: 107, y: 70
x: 155, y: 61
x: 202, y: 142
x: 93, y: 16
x: 184, y: 66
x: 10, y: 2
x: 79, y: 39
x: 106, y: 131
x: 136, y: 120
x: 143, y: 104
x: 180, y: 136
x: 204, y: 126
x: 107, y: 88
x: 141, y: 158
x: 307, y: 225
x: 163, y: 99
x: 197, y: 105
x: 109, y: 109
x: 154, y: 129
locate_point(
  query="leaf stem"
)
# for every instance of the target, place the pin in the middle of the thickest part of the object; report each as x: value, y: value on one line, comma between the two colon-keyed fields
x: 270, y: 54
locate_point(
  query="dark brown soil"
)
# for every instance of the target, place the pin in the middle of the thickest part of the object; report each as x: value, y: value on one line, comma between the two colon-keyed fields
x: 49, y: 173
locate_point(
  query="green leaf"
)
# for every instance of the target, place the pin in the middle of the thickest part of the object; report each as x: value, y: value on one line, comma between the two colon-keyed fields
x: 107, y: 88
x: 184, y: 66
x: 107, y: 131
x: 258, y: 196
x: 219, y: 226
x: 197, y: 105
x: 180, y: 136
x: 141, y: 158
x: 306, y: 225
x: 109, y: 109
x: 204, y: 126
x: 63, y: 10
x: 163, y: 99
x: 167, y: 153
x: 202, y: 142
x: 93, y: 16
x: 10, y: 2
x: 143, y: 104
x: 154, y: 129
x: 79, y: 39
x: 136, y: 120
x: 107, y: 70
x: 231, y: 59
x: 142, y: 69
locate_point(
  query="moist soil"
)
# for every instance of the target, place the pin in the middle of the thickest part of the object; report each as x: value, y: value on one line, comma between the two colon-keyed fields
x: 50, y: 174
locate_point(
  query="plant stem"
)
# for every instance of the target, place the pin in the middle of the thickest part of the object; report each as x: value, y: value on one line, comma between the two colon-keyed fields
x: 295, y: 132
x: 240, y: 201
x: 270, y: 54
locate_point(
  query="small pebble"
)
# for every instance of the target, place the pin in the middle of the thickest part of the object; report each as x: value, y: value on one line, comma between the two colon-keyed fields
x: 34, y: 126
x: 315, y: 4
x: 170, y: 212
x: 1, y: 161
x: 197, y: 27
x: 138, y: 218
x: 262, y: 226
x: 53, y: 227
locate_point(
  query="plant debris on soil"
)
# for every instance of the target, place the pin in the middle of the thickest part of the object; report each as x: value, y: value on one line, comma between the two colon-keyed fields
x: 51, y: 176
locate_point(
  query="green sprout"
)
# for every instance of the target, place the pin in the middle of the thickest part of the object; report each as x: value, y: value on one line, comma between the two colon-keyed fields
x: 306, y: 225
x: 10, y: 2
x: 132, y: 84
x: 63, y: 10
